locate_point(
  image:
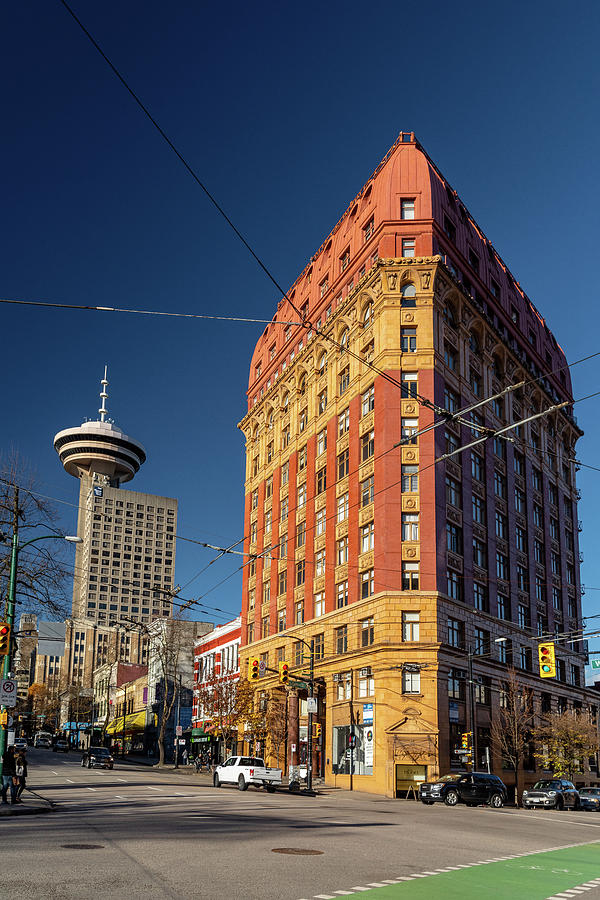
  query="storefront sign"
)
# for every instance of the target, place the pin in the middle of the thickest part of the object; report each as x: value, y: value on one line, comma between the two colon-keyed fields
x: 369, y: 742
x: 367, y: 713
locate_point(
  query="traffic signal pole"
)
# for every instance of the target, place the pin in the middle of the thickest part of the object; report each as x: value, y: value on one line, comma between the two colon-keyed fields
x: 472, y: 710
x: 309, y: 761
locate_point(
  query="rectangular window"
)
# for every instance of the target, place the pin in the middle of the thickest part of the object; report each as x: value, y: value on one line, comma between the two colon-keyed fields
x: 407, y: 208
x: 281, y: 620
x: 522, y: 578
x: 302, y: 458
x: 285, y: 473
x: 320, y: 562
x: 343, y: 422
x: 300, y: 534
x: 410, y: 576
x: 482, y: 642
x: 345, y: 260
x: 343, y: 504
x: 319, y: 604
x: 408, y: 246
x: 367, y: 445
x: 480, y: 597
x: 409, y: 428
x: 502, y: 570
x: 299, y: 612
x: 367, y: 632
x: 411, y: 681
x: 344, y: 380
x: 269, y: 488
x: 341, y: 639
x: 538, y: 515
x: 477, y: 467
x: 301, y: 496
x: 342, y: 551
x: 322, y: 402
x: 500, y: 485
x: 321, y: 522
x: 479, y: 553
x: 453, y: 492
x: 410, y: 626
x: 366, y: 683
x: 300, y: 572
x: 369, y: 229
x: 367, y: 491
x: 319, y: 646
x: 322, y: 442
x: 504, y: 611
x: 478, y: 509
x: 341, y: 592
x: 408, y: 340
x: 456, y: 633
x: 410, y: 479
x: 520, y: 502
x: 409, y: 385
x: 265, y: 627
x: 367, y: 537
x: 321, y: 480
x: 368, y: 400
x: 450, y: 357
x: 282, y: 581
x: 343, y: 464
x: 454, y: 541
x: 451, y: 400
x: 410, y: 526
x: 455, y: 585
x: 367, y: 583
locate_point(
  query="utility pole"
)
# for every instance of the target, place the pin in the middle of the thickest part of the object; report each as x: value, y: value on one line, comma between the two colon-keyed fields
x: 178, y: 723
x: 124, y: 714
x: 10, y: 609
x: 472, y: 711
x: 351, y: 729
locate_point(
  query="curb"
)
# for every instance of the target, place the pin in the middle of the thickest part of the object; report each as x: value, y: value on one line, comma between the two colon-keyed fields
x: 26, y: 810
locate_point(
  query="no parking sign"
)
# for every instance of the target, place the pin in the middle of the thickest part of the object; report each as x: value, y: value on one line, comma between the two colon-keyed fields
x: 8, y: 692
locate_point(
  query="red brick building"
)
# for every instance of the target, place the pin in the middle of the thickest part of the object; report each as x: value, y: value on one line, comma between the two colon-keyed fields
x: 395, y: 561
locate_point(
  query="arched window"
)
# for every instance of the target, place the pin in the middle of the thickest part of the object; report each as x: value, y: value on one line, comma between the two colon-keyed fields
x: 449, y: 315
x: 497, y: 367
x: 344, y: 338
x: 322, y: 363
x: 302, y: 385
x: 474, y: 343
x: 270, y: 419
x: 285, y: 400
x: 368, y: 315
x: 408, y: 295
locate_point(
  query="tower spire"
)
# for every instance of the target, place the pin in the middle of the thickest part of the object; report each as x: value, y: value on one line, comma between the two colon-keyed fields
x: 103, y: 396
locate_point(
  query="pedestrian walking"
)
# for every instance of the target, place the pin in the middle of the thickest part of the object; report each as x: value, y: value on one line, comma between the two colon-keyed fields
x: 185, y: 756
x: 21, y: 772
x: 9, y: 775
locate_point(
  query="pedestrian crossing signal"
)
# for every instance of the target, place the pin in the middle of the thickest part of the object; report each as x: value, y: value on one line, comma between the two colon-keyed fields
x: 547, y: 660
x: 4, y: 638
x: 284, y: 673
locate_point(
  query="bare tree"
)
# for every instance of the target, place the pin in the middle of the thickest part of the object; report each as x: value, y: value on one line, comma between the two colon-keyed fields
x: 44, y: 702
x: 227, y: 705
x: 41, y: 573
x: 276, y: 724
x: 166, y: 646
x: 511, y: 728
x: 564, y: 740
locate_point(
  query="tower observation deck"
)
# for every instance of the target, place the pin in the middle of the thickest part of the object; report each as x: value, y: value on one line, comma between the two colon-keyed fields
x: 100, y: 448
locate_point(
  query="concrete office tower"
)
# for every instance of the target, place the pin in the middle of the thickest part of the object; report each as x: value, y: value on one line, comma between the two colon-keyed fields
x: 124, y: 568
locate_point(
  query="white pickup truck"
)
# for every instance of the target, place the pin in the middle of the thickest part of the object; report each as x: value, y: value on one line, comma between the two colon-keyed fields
x: 245, y: 770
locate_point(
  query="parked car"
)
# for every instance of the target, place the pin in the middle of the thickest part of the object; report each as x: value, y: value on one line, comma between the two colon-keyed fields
x: 554, y: 793
x: 245, y: 770
x: 99, y: 757
x: 589, y: 798
x: 20, y: 743
x: 472, y: 788
x: 60, y: 746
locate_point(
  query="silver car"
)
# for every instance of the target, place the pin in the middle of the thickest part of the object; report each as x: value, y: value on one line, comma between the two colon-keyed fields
x: 552, y: 793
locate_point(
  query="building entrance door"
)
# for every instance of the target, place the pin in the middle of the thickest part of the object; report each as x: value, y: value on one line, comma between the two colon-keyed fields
x: 408, y: 779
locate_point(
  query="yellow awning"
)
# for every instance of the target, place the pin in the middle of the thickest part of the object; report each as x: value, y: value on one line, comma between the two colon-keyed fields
x: 133, y: 722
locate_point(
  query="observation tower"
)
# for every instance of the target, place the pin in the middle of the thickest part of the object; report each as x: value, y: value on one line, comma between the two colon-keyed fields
x: 99, y: 449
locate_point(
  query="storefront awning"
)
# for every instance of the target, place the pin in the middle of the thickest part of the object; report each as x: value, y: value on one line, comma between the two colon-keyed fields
x: 133, y: 722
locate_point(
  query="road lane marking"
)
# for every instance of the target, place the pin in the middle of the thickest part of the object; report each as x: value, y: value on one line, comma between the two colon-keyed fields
x: 53, y: 772
x: 150, y: 788
x: 92, y: 789
x: 121, y: 779
x: 555, y: 819
x: 69, y: 780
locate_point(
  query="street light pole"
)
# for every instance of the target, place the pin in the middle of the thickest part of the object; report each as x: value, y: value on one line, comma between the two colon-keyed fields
x: 178, y: 724
x: 472, y: 708
x: 310, y: 716
x: 12, y: 591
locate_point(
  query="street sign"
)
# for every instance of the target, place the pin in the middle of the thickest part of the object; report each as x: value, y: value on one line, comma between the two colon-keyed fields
x: 179, y: 730
x: 596, y: 664
x: 367, y: 713
x: 311, y: 705
x: 8, y: 692
x: 262, y: 668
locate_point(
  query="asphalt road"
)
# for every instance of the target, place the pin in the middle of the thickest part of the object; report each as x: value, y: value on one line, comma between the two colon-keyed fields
x: 138, y: 832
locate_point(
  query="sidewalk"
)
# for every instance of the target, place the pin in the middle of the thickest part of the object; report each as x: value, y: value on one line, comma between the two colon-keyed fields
x: 33, y: 805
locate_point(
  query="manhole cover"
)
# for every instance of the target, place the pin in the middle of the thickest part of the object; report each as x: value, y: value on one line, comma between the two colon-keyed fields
x: 297, y: 851
x: 83, y: 846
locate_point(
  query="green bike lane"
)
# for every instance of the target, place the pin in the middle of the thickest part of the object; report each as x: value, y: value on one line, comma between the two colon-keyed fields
x: 531, y: 876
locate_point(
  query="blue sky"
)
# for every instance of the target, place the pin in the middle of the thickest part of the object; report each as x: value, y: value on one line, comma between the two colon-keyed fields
x: 284, y: 111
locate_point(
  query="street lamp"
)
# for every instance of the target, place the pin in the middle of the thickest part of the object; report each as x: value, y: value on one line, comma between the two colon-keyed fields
x: 10, y: 606
x: 471, y: 655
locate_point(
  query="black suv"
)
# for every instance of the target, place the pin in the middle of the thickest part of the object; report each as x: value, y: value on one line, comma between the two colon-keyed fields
x: 472, y: 788
x: 555, y: 793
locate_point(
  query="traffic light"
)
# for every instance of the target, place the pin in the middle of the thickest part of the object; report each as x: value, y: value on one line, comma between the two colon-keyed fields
x: 284, y: 672
x: 465, y: 740
x: 317, y: 731
x: 4, y: 638
x: 547, y: 660
x: 253, y: 668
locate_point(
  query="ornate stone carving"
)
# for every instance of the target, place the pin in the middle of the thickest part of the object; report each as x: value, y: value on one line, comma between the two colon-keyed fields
x: 392, y: 279
x: 425, y: 280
